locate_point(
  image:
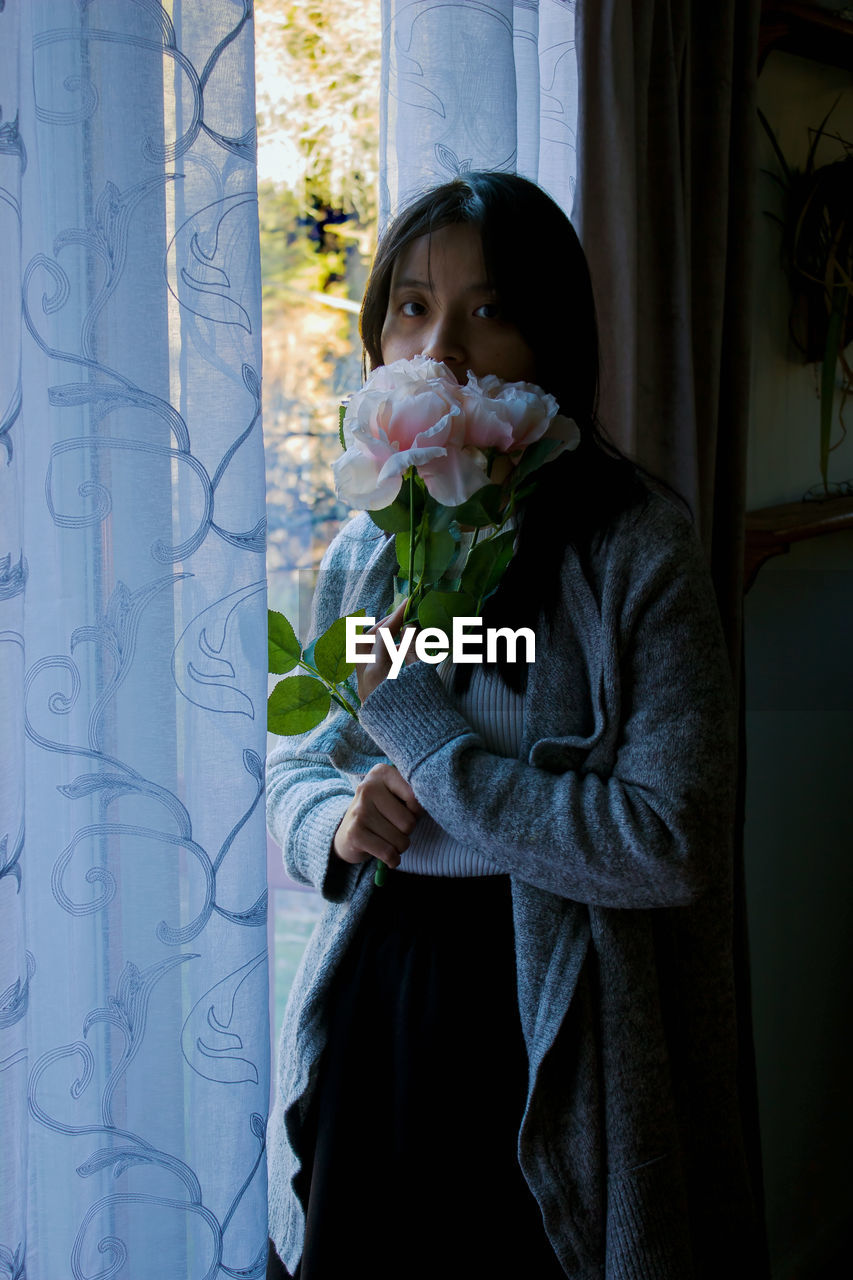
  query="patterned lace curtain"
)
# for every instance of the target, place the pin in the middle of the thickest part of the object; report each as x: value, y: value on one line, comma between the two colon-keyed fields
x: 133, y: 989
x: 476, y: 85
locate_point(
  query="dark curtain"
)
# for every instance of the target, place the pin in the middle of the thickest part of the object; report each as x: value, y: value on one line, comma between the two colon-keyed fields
x: 665, y: 208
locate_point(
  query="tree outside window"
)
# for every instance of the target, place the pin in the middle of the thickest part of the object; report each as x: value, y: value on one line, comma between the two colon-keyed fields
x: 317, y: 78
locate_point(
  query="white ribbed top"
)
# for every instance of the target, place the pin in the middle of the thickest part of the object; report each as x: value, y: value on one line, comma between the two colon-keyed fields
x: 496, y: 715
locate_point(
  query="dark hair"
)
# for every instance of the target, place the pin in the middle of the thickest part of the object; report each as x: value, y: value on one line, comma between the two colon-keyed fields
x: 535, y: 264
x: 538, y: 270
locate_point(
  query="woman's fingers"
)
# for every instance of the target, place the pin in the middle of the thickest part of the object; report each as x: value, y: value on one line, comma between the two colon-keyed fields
x: 370, y: 674
x: 399, y: 787
x: 394, y: 620
x: 393, y: 820
x: 379, y: 820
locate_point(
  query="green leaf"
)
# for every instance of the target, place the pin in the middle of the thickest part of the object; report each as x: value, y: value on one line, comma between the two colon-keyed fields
x: 330, y: 651
x: 486, y: 564
x: 439, y: 608
x: 284, y: 648
x: 395, y: 518
x: 296, y: 705
x: 482, y: 508
x: 401, y: 544
x: 342, y: 413
x: 772, y: 136
x: 533, y: 458
x: 827, y: 379
x: 432, y: 554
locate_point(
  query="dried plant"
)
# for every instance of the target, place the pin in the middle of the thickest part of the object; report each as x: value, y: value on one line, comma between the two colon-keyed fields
x: 817, y: 245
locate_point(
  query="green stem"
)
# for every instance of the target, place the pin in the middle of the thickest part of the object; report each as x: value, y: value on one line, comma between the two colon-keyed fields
x: 346, y: 694
x: 411, y: 525
x: 423, y: 533
x: 343, y: 703
x: 333, y: 688
x: 411, y: 544
x: 507, y: 515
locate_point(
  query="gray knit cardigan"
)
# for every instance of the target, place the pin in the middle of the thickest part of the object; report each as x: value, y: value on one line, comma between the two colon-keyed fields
x: 614, y: 826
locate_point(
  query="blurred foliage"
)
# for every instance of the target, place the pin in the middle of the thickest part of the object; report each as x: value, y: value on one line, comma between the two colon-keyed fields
x: 308, y: 246
x: 318, y: 95
x: 317, y: 71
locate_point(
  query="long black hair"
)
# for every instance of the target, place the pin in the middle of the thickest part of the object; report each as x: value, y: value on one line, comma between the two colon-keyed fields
x: 535, y: 264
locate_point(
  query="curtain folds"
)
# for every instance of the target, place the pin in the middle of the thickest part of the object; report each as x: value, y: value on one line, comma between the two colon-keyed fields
x: 484, y: 84
x: 133, y: 1000
x: 667, y: 164
x: 665, y: 210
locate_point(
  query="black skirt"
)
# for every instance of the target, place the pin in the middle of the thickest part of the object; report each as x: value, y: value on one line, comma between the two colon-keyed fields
x: 413, y: 1130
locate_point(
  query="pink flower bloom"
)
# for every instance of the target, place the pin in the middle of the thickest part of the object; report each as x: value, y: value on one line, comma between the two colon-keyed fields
x: 408, y: 414
x: 413, y: 413
x: 518, y: 413
x: 453, y: 477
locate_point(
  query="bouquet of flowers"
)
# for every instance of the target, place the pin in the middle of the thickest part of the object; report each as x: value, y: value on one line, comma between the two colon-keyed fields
x: 432, y: 460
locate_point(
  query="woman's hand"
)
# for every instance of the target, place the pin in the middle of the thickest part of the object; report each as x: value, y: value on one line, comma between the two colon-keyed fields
x: 380, y: 818
x: 371, y: 674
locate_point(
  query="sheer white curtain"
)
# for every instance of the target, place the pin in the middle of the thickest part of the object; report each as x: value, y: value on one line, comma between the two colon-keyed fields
x: 133, y: 1013
x: 477, y: 85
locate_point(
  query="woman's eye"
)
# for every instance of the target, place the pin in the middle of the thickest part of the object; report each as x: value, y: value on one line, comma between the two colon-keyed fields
x: 412, y: 308
x: 488, y: 311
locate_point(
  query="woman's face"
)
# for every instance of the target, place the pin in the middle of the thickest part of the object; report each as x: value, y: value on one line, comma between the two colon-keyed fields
x: 442, y: 306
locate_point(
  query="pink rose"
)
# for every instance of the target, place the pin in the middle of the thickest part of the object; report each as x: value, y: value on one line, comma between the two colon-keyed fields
x: 413, y: 413
x: 525, y: 411
x: 408, y: 414
x: 515, y: 413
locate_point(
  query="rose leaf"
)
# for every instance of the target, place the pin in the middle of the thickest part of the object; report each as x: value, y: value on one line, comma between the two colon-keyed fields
x: 296, y: 705
x: 533, y: 458
x: 439, y: 608
x: 330, y: 651
x: 394, y: 518
x: 284, y: 648
x: 432, y: 554
x: 482, y: 508
x: 486, y: 564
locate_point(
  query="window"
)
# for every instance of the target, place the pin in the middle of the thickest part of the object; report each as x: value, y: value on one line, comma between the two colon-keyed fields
x: 317, y: 74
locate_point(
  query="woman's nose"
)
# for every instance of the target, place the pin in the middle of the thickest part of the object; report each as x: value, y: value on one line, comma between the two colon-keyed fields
x: 446, y: 343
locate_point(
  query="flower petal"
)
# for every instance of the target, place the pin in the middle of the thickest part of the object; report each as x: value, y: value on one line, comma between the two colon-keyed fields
x: 406, y: 373
x: 453, y: 478
x: 399, y: 462
x: 420, y: 415
x: 567, y: 431
x: 488, y: 425
x: 358, y: 483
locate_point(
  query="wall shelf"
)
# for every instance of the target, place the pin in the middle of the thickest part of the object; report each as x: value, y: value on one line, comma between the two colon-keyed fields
x: 770, y: 531
x: 807, y: 31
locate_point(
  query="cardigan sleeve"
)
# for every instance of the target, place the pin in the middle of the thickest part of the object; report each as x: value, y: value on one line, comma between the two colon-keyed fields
x: 306, y: 801
x: 649, y: 826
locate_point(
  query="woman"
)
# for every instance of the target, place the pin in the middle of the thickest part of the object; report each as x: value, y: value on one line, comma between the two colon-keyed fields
x: 517, y: 1056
